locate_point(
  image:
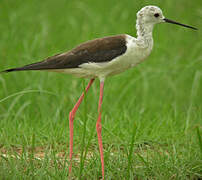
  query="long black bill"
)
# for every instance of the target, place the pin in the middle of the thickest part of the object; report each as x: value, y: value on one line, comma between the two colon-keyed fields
x: 174, y: 22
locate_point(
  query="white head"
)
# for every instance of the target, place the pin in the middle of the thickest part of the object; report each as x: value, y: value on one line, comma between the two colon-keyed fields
x: 148, y: 16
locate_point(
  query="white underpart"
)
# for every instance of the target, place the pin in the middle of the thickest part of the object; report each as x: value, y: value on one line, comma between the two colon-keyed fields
x: 138, y: 49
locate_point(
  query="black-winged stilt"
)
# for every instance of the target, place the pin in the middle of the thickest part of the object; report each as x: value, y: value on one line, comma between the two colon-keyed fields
x: 104, y: 57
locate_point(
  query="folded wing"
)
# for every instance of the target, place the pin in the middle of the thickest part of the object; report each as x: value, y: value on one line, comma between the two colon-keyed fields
x: 98, y: 51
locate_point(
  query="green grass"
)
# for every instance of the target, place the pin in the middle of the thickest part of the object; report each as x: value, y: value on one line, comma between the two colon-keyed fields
x: 152, y: 114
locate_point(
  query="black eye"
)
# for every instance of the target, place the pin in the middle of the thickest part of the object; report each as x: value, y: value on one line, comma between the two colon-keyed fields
x: 156, y: 15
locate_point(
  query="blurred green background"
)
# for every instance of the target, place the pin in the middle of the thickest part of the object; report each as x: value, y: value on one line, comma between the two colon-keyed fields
x: 152, y: 114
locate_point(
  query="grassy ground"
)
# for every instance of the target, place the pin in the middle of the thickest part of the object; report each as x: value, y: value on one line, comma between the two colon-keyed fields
x: 152, y: 115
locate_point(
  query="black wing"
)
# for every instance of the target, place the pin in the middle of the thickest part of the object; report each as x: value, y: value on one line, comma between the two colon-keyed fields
x: 98, y: 50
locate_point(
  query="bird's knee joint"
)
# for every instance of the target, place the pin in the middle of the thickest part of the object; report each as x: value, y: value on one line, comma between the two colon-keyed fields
x: 71, y: 118
x: 99, y: 127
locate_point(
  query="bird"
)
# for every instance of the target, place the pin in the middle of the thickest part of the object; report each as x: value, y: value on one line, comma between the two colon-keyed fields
x: 101, y: 58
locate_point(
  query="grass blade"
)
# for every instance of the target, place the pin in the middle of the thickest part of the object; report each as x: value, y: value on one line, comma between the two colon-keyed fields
x: 131, y: 149
x: 199, y: 138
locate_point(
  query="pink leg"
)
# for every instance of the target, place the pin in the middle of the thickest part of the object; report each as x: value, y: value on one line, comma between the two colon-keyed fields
x: 71, y: 119
x: 99, y: 126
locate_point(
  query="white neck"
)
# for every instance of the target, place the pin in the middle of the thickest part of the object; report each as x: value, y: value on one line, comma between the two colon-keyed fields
x: 144, y: 32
